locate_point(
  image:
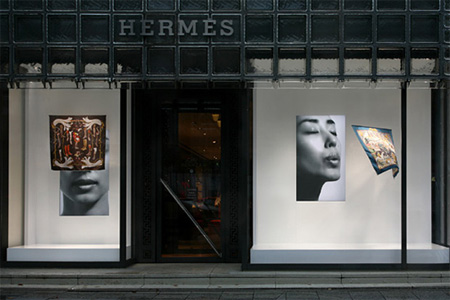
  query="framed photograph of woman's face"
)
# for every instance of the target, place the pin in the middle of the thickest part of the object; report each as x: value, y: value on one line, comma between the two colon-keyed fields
x: 320, y: 158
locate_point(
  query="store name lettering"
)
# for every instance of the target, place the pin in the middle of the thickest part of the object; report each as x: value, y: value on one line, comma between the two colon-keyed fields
x: 207, y: 27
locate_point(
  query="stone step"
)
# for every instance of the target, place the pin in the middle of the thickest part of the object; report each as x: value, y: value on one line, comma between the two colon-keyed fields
x: 211, y: 276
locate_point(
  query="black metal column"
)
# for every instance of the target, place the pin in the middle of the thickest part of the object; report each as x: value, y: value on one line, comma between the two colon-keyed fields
x: 404, y: 211
x: 4, y: 144
x: 439, y: 165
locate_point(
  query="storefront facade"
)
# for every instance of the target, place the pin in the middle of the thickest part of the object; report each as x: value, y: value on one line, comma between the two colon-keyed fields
x: 277, y: 134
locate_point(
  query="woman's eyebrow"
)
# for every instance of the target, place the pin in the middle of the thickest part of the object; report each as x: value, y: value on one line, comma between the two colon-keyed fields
x: 330, y: 122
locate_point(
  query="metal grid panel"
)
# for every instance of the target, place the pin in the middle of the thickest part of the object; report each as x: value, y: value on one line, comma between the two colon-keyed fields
x: 223, y: 40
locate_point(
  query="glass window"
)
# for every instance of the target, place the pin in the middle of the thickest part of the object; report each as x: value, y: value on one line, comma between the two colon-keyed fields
x: 324, y: 61
x: 291, y: 61
x: 64, y: 175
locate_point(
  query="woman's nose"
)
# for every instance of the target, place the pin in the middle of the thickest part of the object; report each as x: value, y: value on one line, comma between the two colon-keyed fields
x: 330, y: 140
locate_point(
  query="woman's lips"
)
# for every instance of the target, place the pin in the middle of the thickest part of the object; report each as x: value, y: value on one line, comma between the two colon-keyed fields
x: 84, y: 184
x: 333, y: 160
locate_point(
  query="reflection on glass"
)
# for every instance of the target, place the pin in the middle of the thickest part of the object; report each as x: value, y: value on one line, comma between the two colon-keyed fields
x: 325, y: 61
x: 291, y: 61
x: 357, y: 61
x: 192, y: 167
x: 390, y: 61
x: 259, y: 61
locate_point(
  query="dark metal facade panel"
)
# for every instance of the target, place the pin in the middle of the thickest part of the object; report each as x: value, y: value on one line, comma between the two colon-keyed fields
x: 183, y: 40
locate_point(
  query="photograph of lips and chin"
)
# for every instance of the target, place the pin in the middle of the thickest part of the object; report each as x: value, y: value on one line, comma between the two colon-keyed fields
x: 320, y: 158
x: 85, y: 193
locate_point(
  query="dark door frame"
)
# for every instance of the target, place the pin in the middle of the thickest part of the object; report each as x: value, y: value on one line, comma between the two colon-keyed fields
x: 236, y: 166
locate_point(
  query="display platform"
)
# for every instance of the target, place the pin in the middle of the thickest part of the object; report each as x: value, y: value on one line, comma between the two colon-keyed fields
x: 65, y: 253
x: 346, y: 254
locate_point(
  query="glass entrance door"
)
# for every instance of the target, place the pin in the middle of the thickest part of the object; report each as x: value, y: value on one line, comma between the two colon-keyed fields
x: 190, y: 202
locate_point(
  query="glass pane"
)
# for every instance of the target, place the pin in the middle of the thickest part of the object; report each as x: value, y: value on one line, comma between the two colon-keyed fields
x: 425, y: 4
x: 390, y: 61
x: 447, y: 4
x: 128, y: 4
x: 391, y: 4
x: 424, y: 29
x: 193, y: 4
x: 4, y: 29
x: 226, y: 60
x: 61, y: 60
x: 4, y: 60
x: 190, y: 29
x: 325, y: 29
x: 358, y: 61
x: 358, y: 4
x: 94, y: 60
x: 27, y: 4
x: 161, y: 61
x: 259, y: 61
x: 259, y: 29
x: 358, y: 29
x: 163, y: 28
x: 232, y: 30
x: 291, y: 61
x: 324, y: 61
x: 128, y: 61
x: 226, y: 4
x: 325, y: 4
x: 84, y: 203
x: 259, y: 4
x: 292, y: 4
x: 424, y: 61
x: 292, y: 29
x: 28, y: 28
x: 391, y: 29
x: 4, y: 4
x: 131, y: 28
x: 193, y: 173
x: 62, y: 28
x: 94, y: 29
x: 61, y: 4
x: 28, y: 61
x: 160, y: 5
x: 193, y: 61
x: 94, y: 4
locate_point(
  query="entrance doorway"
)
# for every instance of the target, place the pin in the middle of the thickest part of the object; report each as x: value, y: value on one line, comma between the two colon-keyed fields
x: 187, y: 174
x: 191, y: 180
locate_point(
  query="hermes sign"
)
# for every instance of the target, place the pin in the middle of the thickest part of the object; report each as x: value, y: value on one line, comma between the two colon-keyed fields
x: 162, y: 27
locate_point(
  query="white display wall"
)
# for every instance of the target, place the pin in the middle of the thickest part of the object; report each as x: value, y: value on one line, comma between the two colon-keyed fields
x: 366, y: 227
x: 86, y: 238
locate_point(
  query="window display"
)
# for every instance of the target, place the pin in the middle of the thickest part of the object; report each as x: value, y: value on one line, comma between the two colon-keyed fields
x: 320, y: 146
x: 71, y: 210
x: 366, y: 228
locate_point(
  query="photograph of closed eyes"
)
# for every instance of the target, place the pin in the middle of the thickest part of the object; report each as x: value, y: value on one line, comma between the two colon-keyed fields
x: 321, y: 158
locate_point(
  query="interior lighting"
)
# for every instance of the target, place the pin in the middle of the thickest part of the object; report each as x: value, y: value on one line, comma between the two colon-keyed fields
x: 215, y: 117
